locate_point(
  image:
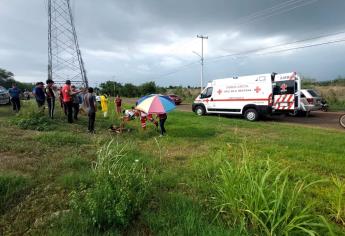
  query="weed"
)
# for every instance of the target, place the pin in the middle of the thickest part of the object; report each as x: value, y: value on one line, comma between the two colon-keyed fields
x: 258, y: 197
x: 120, y: 189
x: 33, y: 120
x: 338, y: 203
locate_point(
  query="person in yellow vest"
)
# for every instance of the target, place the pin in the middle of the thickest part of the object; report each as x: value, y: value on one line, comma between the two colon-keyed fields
x: 104, y: 105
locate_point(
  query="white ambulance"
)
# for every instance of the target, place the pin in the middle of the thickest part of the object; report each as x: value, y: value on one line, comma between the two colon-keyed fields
x: 251, y: 96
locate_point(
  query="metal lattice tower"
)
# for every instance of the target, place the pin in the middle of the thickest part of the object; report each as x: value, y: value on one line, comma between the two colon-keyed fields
x: 64, y: 56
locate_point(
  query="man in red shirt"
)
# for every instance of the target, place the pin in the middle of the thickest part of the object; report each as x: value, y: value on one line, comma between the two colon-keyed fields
x: 67, y: 99
x: 118, y: 103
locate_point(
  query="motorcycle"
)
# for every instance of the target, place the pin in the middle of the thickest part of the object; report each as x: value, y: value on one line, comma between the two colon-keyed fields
x: 342, y: 121
x: 324, y: 106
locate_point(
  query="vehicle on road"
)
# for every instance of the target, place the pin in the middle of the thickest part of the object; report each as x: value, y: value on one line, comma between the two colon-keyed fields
x: 251, y: 96
x: 4, y: 96
x: 310, y: 100
x: 342, y: 121
x: 177, y: 99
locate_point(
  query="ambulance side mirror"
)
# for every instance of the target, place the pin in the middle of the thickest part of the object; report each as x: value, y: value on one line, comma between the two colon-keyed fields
x: 211, y: 99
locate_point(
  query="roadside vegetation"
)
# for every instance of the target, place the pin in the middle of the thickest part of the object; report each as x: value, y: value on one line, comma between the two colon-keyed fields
x: 333, y: 91
x: 209, y: 176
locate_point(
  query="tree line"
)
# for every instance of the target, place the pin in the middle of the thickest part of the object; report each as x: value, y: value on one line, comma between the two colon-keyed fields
x: 7, y: 79
x: 307, y: 82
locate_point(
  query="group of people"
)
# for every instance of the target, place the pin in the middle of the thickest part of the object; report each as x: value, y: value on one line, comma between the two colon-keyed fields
x: 132, y: 114
x: 73, y: 100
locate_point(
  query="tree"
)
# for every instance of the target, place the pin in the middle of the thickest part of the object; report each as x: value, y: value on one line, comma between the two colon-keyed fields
x: 111, y: 88
x: 148, y: 88
x: 7, y: 79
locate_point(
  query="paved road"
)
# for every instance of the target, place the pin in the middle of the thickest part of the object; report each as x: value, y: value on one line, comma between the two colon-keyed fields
x: 328, y: 120
x: 321, y: 119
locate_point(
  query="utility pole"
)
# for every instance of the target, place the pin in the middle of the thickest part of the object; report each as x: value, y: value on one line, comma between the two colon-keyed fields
x: 202, y: 37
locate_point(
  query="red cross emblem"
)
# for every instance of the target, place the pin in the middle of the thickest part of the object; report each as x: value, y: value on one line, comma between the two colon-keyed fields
x: 283, y: 87
x: 257, y: 89
x: 219, y: 91
x: 206, y: 100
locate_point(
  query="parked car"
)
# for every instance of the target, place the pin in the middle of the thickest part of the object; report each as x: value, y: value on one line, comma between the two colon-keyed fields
x: 175, y: 98
x: 4, y: 96
x: 310, y: 100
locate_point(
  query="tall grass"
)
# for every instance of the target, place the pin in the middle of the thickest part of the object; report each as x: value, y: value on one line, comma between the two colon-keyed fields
x: 258, y: 196
x: 338, y: 201
x: 120, y: 189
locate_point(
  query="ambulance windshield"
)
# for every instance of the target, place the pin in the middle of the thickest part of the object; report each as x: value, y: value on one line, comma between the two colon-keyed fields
x: 206, y: 93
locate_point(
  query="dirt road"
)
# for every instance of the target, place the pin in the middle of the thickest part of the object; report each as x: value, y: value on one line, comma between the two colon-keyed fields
x: 328, y: 120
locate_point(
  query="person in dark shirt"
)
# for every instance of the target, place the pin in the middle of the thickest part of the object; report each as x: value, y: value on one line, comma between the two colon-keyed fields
x: 90, y: 101
x: 15, y: 100
x: 39, y: 95
x: 76, y: 100
x: 50, y: 97
x: 162, y: 118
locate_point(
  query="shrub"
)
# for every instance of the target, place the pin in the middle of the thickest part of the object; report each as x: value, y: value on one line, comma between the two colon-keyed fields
x: 257, y: 196
x: 33, y: 121
x: 120, y: 189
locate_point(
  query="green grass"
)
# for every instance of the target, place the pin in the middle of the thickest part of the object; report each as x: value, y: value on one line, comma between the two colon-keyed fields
x: 12, y: 188
x: 186, y: 168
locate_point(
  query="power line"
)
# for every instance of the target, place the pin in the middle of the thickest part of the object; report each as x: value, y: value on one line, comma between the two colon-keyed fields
x: 275, y: 46
x: 250, y: 52
x: 259, y: 15
x: 305, y: 46
x: 275, y: 10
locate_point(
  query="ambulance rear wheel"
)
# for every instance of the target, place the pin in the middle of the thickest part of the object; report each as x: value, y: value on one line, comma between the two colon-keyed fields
x: 251, y: 115
x: 200, y: 111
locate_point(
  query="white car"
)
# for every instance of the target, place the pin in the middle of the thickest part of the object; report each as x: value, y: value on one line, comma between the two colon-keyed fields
x: 4, y: 96
x: 310, y: 100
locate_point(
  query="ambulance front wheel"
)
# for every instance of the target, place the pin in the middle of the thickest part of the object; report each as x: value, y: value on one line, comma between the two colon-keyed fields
x: 251, y: 115
x: 200, y: 111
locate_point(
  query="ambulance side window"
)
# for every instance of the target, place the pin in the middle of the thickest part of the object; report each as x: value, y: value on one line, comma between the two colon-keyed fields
x: 207, y: 93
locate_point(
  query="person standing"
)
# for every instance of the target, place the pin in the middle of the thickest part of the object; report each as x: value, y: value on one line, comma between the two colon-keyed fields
x: 76, y: 98
x: 67, y: 100
x: 90, y: 101
x: 50, y: 97
x: 118, y: 103
x: 162, y: 118
x: 39, y: 95
x: 15, y: 97
x: 104, y: 105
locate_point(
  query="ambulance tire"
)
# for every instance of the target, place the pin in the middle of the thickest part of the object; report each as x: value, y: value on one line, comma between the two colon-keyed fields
x: 200, y: 110
x: 251, y: 115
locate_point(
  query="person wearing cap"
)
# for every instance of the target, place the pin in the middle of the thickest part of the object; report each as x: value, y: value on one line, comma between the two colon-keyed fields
x: 50, y: 97
x: 67, y: 99
x: 39, y: 95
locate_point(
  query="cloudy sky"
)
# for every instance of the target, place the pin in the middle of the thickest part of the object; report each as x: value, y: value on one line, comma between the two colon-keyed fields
x: 143, y: 40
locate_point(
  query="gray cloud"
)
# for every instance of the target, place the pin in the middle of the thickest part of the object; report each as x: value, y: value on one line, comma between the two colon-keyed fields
x: 137, y: 41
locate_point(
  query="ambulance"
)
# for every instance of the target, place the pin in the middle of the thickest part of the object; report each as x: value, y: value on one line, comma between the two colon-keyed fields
x: 251, y: 96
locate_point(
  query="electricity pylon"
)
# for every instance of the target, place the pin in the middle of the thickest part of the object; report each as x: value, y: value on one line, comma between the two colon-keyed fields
x: 64, y: 56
